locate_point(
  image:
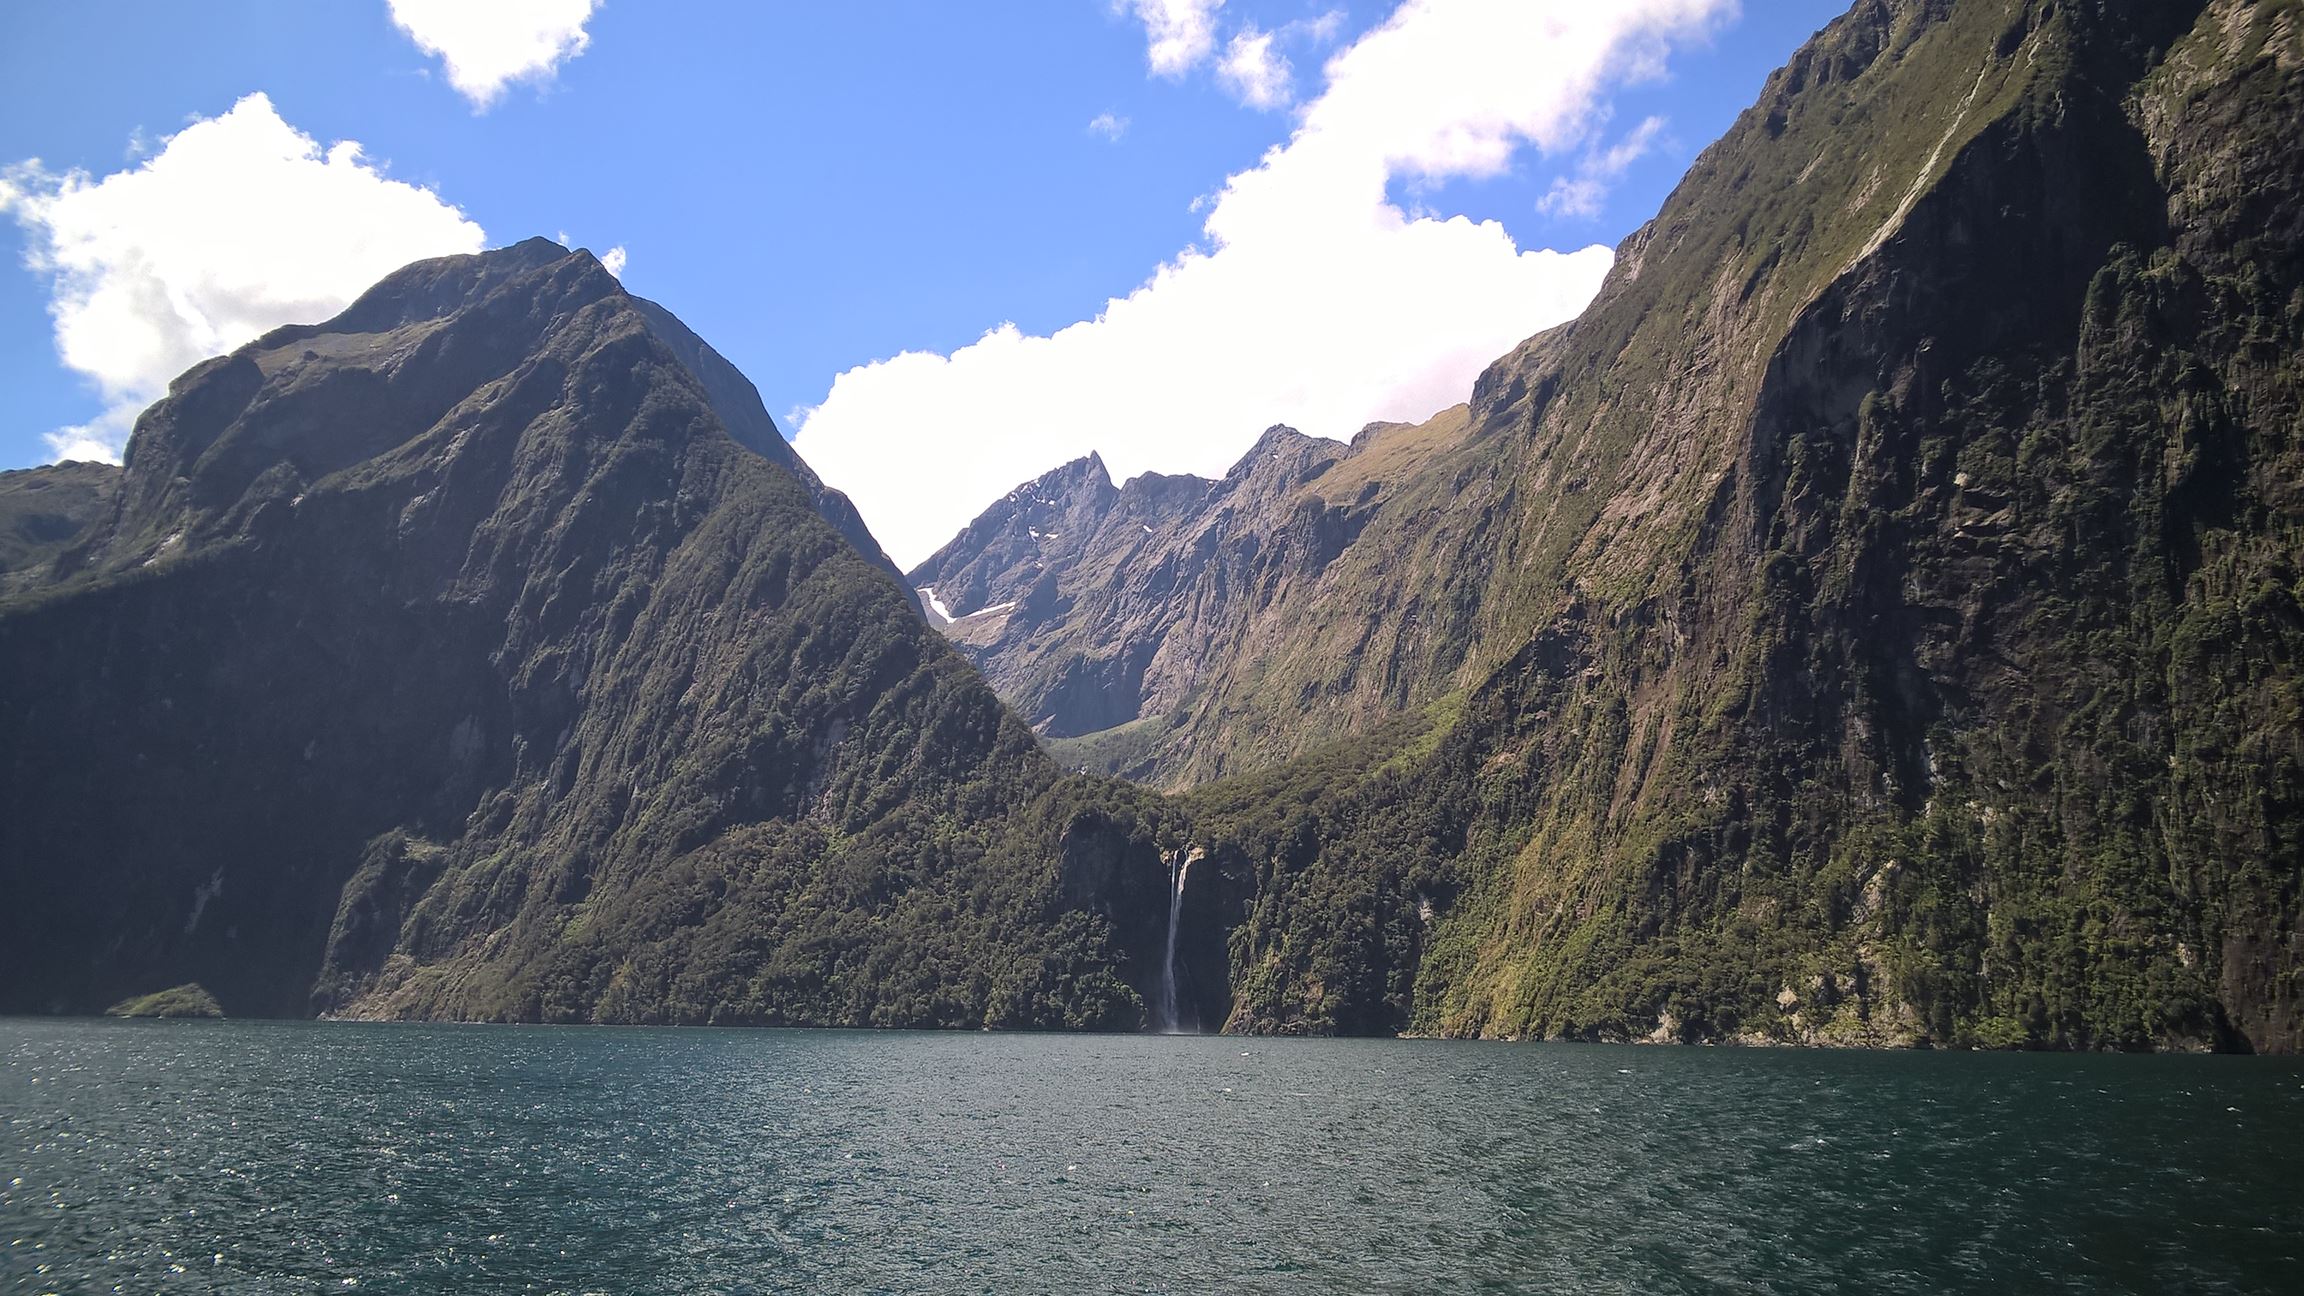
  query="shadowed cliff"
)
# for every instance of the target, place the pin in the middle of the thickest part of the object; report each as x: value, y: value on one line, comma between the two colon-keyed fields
x: 485, y: 653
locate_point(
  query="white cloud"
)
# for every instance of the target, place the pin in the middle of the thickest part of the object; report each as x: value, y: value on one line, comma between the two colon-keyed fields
x: 1108, y: 126
x: 1320, y: 30
x: 1619, y: 157
x: 1254, y: 71
x: 1316, y: 300
x: 98, y: 440
x: 1580, y: 195
x: 239, y: 224
x: 1181, y: 33
x: 1573, y: 196
x: 488, y: 44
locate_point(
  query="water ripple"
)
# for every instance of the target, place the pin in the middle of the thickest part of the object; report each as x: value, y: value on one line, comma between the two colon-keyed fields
x: 291, y: 1158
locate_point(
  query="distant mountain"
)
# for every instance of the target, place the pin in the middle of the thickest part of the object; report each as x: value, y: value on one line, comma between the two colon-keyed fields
x: 1040, y: 526
x: 486, y: 653
x: 1875, y: 620
x: 43, y: 511
x: 1094, y: 609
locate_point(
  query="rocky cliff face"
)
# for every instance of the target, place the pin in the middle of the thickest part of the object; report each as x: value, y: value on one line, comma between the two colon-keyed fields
x: 1013, y: 546
x: 1317, y: 594
x: 1137, y: 635
x: 1875, y: 620
x: 485, y: 653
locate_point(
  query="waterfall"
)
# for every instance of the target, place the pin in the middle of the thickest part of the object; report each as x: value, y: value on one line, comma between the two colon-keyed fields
x: 1179, y: 867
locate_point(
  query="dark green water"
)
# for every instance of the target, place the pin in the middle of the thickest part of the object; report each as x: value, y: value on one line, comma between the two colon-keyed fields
x: 278, y: 1157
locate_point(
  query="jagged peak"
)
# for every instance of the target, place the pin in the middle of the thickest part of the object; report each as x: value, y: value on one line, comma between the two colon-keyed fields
x: 1281, y: 444
x: 1089, y: 465
x: 1086, y: 472
x: 1276, y: 437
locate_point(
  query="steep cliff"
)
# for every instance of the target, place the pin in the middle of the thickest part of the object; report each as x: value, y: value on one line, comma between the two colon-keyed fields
x: 1012, y: 546
x: 1875, y: 620
x: 485, y: 653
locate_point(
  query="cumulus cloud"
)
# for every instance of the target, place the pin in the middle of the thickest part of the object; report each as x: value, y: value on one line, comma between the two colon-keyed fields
x: 1315, y: 300
x: 1181, y: 33
x: 1108, y: 126
x: 238, y: 224
x: 1581, y: 194
x: 488, y: 44
x: 1253, y: 70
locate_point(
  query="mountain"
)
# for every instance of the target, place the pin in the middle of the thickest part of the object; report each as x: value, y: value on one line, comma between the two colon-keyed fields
x: 1319, y: 592
x: 1103, y: 611
x: 44, y: 510
x: 485, y: 653
x: 996, y: 561
x: 1875, y: 620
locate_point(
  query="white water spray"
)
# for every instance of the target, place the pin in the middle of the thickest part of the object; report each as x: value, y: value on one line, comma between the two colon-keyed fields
x: 1179, y: 867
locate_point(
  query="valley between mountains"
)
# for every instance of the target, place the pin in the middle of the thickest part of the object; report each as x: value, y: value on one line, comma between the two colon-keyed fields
x: 1878, y: 620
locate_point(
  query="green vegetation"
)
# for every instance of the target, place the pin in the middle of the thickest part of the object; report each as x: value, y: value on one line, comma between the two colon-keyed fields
x: 1898, y: 564
x: 493, y: 675
x: 1878, y: 620
x: 1122, y: 751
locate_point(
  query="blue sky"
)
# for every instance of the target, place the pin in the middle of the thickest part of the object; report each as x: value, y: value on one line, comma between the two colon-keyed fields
x: 815, y: 188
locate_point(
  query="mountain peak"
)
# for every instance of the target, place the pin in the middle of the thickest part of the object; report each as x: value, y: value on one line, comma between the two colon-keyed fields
x: 1284, y: 454
x: 1086, y: 473
x: 998, y: 558
x: 377, y: 387
x: 494, y: 581
x: 1276, y: 439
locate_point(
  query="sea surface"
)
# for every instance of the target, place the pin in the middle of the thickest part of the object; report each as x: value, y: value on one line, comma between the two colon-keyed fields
x: 258, y: 1157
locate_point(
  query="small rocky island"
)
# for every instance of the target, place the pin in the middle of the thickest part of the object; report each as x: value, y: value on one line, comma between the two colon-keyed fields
x: 177, y: 1001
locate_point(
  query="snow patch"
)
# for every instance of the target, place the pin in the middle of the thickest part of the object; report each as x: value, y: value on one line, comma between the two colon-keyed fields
x: 935, y: 604
x: 980, y: 612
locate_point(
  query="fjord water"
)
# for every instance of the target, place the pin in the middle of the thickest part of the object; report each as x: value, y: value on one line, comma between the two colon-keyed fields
x: 287, y: 1157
